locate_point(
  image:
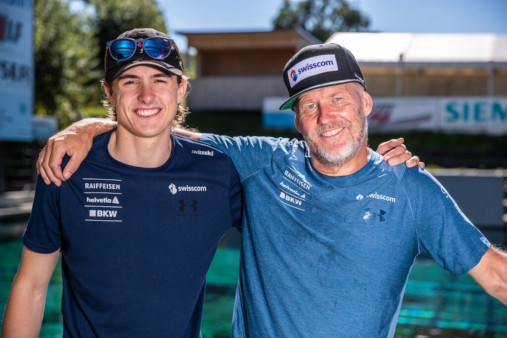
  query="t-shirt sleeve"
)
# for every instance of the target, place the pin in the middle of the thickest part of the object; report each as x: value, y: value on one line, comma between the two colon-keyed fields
x: 248, y: 153
x: 442, y: 228
x: 42, y: 233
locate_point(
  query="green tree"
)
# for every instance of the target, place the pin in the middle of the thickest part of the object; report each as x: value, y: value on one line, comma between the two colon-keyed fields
x: 65, y: 60
x: 321, y: 17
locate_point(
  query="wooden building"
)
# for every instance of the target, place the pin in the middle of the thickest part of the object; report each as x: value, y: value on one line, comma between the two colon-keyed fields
x: 429, y: 65
x: 237, y: 70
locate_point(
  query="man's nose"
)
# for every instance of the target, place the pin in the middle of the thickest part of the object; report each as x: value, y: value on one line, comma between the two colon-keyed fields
x: 326, y: 113
x: 146, y: 94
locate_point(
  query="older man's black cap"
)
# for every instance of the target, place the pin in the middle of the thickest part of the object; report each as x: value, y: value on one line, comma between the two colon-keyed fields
x: 318, y: 66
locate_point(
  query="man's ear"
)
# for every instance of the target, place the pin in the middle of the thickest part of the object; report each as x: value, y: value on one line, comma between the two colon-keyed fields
x: 367, y: 103
x: 296, y: 122
x: 182, y: 90
x: 109, y: 91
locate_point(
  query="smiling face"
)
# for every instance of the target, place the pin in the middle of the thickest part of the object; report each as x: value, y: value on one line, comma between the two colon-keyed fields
x: 146, y: 101
x: 332, y: 121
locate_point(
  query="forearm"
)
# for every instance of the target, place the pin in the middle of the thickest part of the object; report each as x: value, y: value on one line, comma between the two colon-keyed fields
x: 498, y: 289
x: 189, y: 133
x: 491, y: 273
x: 91, y: 126
x: 24, y: 312
x: 25, y: 307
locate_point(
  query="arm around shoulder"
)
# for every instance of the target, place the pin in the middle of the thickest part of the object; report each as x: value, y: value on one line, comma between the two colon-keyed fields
x: 189, y: 133
x: 395, y: 152
x: 74, y: 141
x: 25, y: 306
x: 491, y: 273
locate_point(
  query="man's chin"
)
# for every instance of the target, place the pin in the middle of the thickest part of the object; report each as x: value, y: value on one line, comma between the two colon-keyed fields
x: 338, y: 156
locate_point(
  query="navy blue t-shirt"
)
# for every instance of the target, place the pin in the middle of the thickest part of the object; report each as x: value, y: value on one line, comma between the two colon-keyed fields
x: 136, y: 242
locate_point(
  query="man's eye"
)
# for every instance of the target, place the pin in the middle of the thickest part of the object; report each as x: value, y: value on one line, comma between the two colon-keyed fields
x: 311, y: 106
x: 336, y: 99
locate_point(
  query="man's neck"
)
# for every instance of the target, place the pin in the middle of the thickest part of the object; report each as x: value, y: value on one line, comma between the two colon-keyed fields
x: 141, y: 152
x: 348, y: 168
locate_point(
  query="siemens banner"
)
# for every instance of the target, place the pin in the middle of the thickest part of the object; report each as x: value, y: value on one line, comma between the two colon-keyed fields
x: 486, y: 115
x: 451, y: 114
x: 16, y: 69
x: 483, y: 114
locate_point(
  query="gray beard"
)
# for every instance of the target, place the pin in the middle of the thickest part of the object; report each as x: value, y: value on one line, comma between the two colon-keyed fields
x: 346, y: 154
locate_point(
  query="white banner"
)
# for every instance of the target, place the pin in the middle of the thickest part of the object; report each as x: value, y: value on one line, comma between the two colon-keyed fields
x: 391, y: 114
x: 477, y: 114
x: 16, y: 69
x: 451, y: 114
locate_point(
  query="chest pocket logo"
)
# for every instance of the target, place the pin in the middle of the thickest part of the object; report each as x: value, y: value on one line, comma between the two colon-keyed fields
x: 370, y: 215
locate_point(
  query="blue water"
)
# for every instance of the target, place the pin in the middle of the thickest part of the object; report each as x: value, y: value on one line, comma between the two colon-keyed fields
x: 436, y: 304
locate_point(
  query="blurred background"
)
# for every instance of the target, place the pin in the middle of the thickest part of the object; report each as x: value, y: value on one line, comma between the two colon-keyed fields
x: 437, y: 72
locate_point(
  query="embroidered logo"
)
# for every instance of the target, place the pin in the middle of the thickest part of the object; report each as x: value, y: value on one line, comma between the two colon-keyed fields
x: 312, y: 66
x: 191, y: 206
x: 369, y: 214
x: 378, y: 196
x: 186, y: 188
x: 203, y: 152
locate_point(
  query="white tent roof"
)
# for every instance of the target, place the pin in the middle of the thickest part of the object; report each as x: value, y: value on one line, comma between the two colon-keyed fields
x: 435, y: 50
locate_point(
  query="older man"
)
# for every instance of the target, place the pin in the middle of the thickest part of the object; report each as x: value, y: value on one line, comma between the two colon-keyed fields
x: 330, y: 231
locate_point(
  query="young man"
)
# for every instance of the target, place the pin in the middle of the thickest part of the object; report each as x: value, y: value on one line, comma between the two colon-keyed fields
x: 138, y: 224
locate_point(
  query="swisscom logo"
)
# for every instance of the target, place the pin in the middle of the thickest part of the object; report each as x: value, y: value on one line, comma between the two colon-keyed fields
x: 294, y: 75
x: 312, y: 66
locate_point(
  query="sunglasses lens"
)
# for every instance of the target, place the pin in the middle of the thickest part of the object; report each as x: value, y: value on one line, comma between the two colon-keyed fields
x: 157, y: 48
x: 122, y: 49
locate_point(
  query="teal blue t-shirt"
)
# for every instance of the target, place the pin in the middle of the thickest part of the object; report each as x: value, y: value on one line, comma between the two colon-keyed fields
x: 330, y: 256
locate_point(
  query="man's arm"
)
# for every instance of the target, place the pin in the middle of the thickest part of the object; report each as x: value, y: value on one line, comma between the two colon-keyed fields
x: 75, y: 141
x: 491, y: 273
x: 25, y: 307
x: 191, y: 134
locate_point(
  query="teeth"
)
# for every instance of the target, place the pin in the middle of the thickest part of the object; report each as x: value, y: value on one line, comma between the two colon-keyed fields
x: 332, y: 132
x: 146, y: 112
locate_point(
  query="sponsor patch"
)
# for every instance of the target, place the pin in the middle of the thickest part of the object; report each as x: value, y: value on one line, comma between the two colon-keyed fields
x: 312, y: 66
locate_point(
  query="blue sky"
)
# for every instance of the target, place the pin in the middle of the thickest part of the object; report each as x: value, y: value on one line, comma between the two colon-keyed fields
x: 398, y: 16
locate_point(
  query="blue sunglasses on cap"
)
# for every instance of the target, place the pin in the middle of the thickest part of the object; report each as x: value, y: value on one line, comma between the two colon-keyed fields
x: 157, y: 48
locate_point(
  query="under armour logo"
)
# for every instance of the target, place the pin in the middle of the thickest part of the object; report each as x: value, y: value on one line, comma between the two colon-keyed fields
x: 368, y: 214
x: 183, y: 205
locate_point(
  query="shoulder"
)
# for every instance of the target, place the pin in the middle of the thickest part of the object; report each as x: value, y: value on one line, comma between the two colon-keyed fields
x: 400, y: 171
x: 247, y: 140
x: 251, y: 145
x: 413, y: 180
x: 98, y: 152
x: 203, y: 151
